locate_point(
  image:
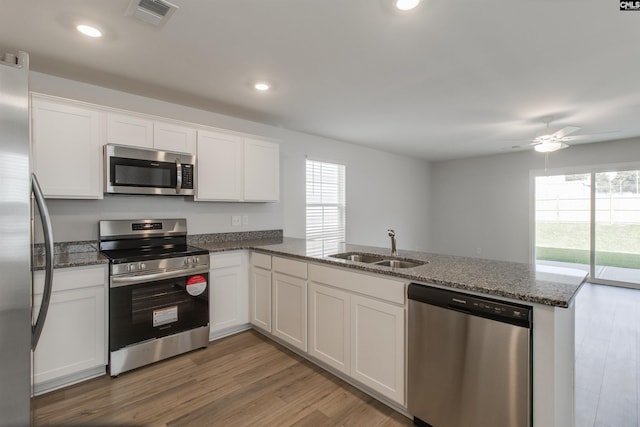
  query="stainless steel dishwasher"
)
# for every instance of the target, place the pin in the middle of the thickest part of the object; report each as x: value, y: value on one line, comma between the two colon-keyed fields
x: 469, y: 360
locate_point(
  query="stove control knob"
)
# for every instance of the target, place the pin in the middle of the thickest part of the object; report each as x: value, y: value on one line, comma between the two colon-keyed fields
x: 131, y: 267
x: 142, y: 266
x: 196, y: 260
x: 187, y: 261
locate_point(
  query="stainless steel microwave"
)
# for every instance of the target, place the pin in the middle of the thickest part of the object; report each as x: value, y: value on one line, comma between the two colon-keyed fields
x: 131, y: 170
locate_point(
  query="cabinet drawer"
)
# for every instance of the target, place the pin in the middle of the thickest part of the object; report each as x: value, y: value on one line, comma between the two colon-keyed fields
x: 223, y: 260
x: 71, y: 278
x: 290, y: 267
x: 261, y: 260
x: 374, y: 286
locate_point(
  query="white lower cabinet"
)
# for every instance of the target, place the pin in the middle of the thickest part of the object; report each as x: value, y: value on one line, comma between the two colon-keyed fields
x: 377, y: 346
x: 351, y: 322
x: 260, y: 291
x: 357, y: 325
x: 228, y: 293
x: 73, y: 344
x: 329, y: 326
x: 289, y: 301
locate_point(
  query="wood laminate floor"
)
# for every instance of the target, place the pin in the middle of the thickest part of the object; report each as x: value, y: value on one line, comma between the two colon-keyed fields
x: 243, y: 380
x: 248, y: 380
x: 607, y: 357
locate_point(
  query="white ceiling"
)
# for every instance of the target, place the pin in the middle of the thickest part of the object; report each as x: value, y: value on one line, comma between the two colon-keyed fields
x: 453, y: 79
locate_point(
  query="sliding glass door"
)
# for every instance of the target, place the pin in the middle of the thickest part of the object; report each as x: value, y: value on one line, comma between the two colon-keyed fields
x: 590, y: 221
x: 616, y: 241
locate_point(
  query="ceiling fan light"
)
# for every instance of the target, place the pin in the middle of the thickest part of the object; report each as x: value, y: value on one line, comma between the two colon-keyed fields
x: 549, y: 147
x: 544, y: 138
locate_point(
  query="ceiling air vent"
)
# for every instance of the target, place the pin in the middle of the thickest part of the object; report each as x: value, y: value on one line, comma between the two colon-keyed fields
x: 154, y: 12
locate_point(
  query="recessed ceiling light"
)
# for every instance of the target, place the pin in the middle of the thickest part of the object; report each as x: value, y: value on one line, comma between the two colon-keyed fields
x: 88, y: 30
x: 405, y: 5
x: 262, y: 86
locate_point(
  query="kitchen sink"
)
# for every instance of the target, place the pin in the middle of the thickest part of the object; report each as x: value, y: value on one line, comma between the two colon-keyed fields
x: 399, y: 263
x: 359, y: 257
x: 379, y: 260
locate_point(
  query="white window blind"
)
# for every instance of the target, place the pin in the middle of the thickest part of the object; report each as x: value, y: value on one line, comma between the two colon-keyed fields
x: 326, y: 204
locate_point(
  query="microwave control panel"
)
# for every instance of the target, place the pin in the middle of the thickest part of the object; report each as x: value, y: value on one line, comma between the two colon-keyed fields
x: 187, y: 176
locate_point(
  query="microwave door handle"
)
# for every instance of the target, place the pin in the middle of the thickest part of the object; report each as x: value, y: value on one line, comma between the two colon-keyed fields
x: 178, y: 176
x: 36, y: 330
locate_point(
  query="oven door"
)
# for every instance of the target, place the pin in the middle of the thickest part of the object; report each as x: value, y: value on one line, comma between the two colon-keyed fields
x: 139, y: 171
x: 155, y: 309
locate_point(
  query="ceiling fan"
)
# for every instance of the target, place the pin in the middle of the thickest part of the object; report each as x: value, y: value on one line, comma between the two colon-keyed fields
x: 555, y: 141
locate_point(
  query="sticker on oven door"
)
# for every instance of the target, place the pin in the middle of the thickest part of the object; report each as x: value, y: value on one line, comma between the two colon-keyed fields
x: 196, y: 285
x: 162, y: 316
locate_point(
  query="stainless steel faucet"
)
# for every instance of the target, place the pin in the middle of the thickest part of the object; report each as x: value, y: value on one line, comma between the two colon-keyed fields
x: 392, y: 234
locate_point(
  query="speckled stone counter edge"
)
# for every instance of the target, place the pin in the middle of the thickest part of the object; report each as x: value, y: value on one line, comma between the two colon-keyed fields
x: 86, y: 252
x: 515, y: 279
x: 519, y: 281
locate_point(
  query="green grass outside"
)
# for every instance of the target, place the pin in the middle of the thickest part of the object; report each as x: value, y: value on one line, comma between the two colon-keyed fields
x: 581, y: 256
x: 617, y: 245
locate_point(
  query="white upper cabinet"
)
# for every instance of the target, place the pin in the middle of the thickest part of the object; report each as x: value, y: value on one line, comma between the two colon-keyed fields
x: 261, y: 171
x: 136, y: 131
x: 129, y: 130
x: 235, y: 168
x: 219, y: 169
x: 173, y: 137
x: 67, y: 141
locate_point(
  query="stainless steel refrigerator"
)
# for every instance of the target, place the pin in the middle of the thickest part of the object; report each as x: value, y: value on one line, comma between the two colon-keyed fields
x: 18, y: 335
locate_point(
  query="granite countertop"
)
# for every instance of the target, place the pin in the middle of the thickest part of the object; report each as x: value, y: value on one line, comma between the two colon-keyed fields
x: 524, y: 282
x: 69, y: 254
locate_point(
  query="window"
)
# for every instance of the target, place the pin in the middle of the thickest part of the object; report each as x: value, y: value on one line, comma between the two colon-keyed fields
x: 326, y: 203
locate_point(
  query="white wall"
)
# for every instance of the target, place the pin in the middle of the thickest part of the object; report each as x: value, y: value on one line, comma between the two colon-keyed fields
x: 374, y: 201
x: 485, y: 203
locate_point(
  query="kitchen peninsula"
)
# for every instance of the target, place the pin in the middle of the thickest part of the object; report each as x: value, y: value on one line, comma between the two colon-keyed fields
x: 550, y: 292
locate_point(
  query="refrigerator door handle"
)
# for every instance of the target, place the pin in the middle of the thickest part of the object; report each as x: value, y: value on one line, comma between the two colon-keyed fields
x: 36, y: 329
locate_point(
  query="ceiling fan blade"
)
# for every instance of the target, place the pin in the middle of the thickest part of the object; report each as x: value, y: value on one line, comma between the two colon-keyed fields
x: 567, y: 130
x: 591, y: 135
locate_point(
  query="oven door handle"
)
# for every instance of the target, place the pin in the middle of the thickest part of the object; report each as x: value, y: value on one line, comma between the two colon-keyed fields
x: 145, y: 278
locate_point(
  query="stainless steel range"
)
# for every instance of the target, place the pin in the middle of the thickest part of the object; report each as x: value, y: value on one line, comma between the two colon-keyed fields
x: 158, y: 291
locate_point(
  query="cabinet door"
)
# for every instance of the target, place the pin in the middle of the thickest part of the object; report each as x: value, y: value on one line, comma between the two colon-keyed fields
x: 377, y: 346
x: 261, y: 170
x: 172, y: 137
x: 67, y: 141
x: 289, y: 309
x: 73, y: 339
x: 129, y: 130
x: 261, y: 298
x: 229, y: 292
x: 219, y: 170
x: 329, y: 326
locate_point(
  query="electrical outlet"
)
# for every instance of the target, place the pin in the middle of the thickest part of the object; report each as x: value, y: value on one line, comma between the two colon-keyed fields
x: 245, y: 219
x: 478, y: 251
x: 236, y: 220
